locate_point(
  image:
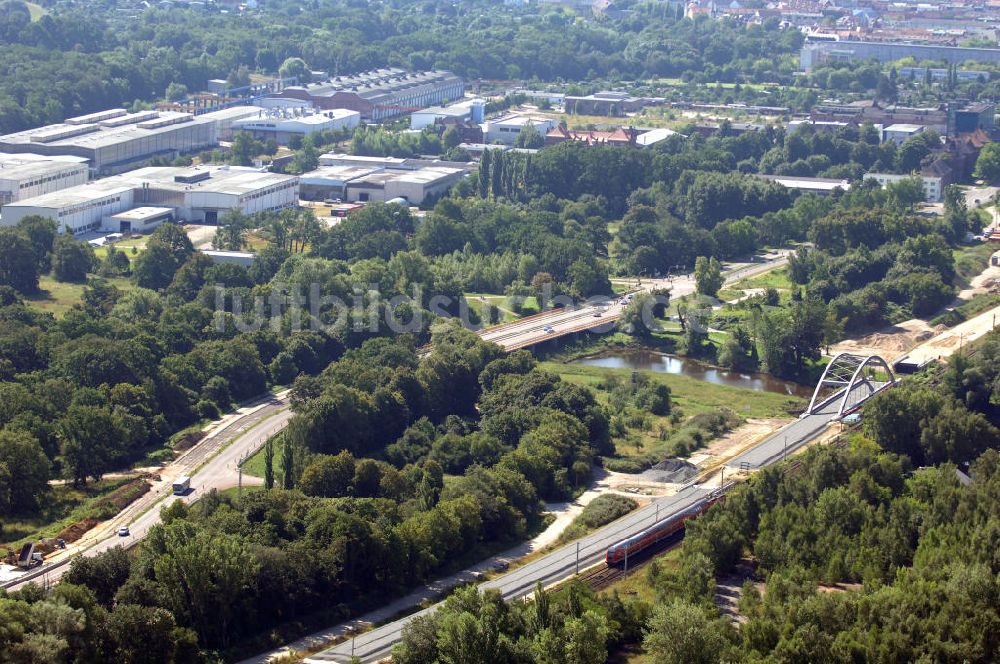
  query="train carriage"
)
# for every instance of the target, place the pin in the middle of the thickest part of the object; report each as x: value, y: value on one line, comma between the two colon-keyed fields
x: 618, y: 551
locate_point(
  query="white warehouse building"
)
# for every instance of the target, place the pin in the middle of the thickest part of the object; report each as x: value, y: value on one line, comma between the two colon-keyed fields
x: 155, y: 194
x: 933, y: 188
x: 507, y: 129
x: 29, y: 175
x: 469, y: 110
x: 115, y: 140
x: 282, y: 124
x: 416, y: 187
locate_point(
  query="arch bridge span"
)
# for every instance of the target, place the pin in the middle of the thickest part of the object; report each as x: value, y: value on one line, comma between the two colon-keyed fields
x: 849, y: 380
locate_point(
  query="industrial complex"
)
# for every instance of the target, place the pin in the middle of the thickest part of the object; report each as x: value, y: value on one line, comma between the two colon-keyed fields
x: 381, y: 93
x: 115, y: 140
x: 280, y: 124
x: 138, y: 201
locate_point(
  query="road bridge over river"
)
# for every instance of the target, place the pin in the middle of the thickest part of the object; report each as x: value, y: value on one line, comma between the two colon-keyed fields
x: 599, y: 315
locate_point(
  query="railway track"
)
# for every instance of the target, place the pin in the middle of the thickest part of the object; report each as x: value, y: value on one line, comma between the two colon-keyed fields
x: 600, y: 577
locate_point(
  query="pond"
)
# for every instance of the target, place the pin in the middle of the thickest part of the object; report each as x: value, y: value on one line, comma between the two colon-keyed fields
x: 650, y: 360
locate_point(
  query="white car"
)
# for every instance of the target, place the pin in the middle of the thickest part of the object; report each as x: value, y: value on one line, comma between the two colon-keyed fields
x: 548, y: 329
x: 123, y: 531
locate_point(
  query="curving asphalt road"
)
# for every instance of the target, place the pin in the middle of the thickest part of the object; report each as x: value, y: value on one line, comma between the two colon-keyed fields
x: 211, y: 464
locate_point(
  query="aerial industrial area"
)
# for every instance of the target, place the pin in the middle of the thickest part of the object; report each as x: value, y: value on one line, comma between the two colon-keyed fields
x: 521, y: 332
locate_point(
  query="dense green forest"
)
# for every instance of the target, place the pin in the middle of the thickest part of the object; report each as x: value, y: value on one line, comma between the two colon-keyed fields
x: 857, y: 554
x: 79, y: 60
x: 398, y: 464
x: 145, y: 361
x: 479, y: 437
x: 918, y: 542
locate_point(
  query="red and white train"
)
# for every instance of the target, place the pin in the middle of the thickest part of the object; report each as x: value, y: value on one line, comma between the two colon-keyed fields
x: 619, y: 551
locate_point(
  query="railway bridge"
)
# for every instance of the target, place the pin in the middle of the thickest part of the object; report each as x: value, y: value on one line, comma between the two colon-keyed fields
x: 853, y: 380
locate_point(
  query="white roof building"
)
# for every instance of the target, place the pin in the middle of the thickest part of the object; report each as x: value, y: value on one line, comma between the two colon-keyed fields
x: 115, y: 139
x: 199, y: 194
x: 508, y: 128
x: 244, y: 258
x: 654, y: 136
x: 898, y: 133
x: 282, y: 124
x: 819, y: 186
x: 416, y: 187
x: 27, y: 175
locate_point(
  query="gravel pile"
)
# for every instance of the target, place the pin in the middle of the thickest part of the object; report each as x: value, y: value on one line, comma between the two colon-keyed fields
x: 674, y: 471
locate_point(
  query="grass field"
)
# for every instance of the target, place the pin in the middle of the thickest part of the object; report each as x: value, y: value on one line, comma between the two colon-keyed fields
x: 477, y: 302
x: 698, y: 411
x: 601, y: 511
x: 528, y: 306
x: 255, y: 464
x: 771, y: 279
x: 693, y: 396
x: 57, y: 297
x: 970, y: 260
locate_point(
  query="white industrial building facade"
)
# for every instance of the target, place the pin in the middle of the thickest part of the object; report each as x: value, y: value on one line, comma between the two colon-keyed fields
x: 507, y: 129
x: 28, y: 175
x: 158, y: 193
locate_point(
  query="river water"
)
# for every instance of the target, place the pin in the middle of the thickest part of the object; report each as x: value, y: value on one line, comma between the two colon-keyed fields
x: 650, y: 360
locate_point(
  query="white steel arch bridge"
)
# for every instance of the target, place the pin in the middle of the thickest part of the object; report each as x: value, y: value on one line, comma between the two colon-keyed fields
x: 848, y: 381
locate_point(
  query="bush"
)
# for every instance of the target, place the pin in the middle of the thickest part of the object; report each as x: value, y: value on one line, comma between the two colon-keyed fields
x: 631, y: 464
x: 207, y: 410
x: 602, y: 510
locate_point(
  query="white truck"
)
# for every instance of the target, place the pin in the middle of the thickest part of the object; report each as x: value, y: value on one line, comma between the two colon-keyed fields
x: 182, y: 485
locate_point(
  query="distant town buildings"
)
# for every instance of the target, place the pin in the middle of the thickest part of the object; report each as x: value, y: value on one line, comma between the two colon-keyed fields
x: 940, y: 74
x: 381, y: 93
x: 860, y: 112
x: 818, y: 53
x: 899, y: 122
x: 972, y: 117
x: 622, y: 136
